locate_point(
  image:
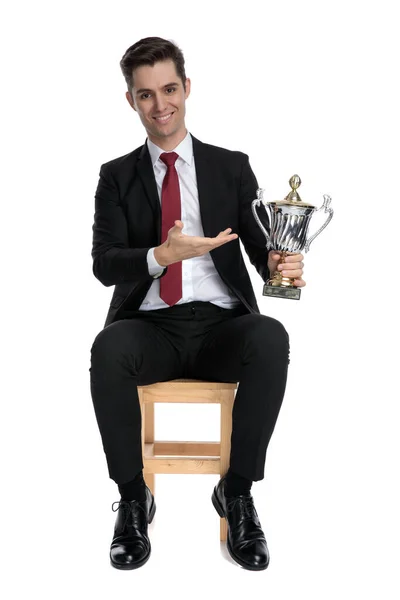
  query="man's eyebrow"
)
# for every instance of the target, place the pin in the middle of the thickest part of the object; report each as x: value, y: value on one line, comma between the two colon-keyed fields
x: 148, y: 90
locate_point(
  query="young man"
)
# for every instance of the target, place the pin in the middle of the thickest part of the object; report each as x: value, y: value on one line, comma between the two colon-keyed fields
x: 167, y: 223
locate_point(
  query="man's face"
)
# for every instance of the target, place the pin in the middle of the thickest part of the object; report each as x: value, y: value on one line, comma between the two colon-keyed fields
x: 157, y: 92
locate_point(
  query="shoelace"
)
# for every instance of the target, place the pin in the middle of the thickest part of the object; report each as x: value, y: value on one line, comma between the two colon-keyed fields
x: 245, y: 504
x: 127, y: 505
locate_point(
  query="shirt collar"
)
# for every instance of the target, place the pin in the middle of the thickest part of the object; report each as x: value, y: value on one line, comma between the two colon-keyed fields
x: 184, y: 149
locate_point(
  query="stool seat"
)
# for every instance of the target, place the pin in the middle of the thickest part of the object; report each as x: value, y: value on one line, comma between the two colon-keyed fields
x: 193, y: 457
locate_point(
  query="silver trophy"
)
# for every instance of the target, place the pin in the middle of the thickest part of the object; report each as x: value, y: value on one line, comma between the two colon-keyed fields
x: 288, y: 220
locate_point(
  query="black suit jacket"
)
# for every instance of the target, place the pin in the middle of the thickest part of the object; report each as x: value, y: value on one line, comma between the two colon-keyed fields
x: 127, y: 222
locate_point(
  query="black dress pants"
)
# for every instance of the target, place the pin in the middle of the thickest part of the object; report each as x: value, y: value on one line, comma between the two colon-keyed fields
x: 196, y: 340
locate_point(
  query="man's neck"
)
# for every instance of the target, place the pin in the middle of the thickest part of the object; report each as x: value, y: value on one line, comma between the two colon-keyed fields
x: 168, y: 144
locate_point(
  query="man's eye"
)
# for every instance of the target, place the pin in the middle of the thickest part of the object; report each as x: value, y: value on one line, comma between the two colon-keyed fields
x: 146, y: 94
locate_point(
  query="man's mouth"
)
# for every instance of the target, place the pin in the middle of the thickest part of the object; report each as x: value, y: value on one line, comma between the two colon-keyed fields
x: 164, y: 119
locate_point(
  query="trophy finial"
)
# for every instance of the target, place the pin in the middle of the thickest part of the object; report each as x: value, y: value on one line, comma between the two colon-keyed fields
x: 294, y: 183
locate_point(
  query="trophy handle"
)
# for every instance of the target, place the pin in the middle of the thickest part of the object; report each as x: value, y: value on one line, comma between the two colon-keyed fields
x: 257, y: 218
x: 327, y: 201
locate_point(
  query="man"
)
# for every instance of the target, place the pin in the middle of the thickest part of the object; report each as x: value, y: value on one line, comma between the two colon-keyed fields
x: 167, y: 223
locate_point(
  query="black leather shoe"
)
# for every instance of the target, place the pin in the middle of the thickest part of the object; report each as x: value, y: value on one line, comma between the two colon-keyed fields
x: 246, y: 542
x: 130, y: 547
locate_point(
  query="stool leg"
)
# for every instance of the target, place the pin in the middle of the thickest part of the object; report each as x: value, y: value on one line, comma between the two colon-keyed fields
x: 227, y: 400
x: 149, y: 438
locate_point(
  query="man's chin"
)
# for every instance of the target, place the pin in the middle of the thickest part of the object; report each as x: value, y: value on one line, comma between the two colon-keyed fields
x: 163, y: 133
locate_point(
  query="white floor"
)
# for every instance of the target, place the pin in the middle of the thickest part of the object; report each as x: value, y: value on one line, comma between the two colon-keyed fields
x: 320, y: 541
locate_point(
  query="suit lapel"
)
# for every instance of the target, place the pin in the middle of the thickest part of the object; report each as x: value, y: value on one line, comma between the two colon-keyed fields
x: 207, y: 192
x: 146, y: 174
x: 205, y: 174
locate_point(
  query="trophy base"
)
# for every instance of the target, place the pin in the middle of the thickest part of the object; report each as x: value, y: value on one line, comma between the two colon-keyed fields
x: 275, y: 291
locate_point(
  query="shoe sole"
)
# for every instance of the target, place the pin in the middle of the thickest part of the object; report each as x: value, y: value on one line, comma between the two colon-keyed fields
x: 144, y: 560
x: 220, y: 510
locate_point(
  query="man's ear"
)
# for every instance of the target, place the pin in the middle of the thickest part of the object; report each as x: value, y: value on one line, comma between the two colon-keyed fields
x: 188, y: 84
x: 128, y: 96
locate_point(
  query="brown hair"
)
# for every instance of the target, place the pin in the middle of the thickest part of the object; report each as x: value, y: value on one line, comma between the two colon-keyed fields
x: 148, y: 51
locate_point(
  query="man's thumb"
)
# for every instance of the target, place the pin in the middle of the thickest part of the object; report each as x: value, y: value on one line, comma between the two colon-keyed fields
x: 275, y: 255
x: 179, y: 224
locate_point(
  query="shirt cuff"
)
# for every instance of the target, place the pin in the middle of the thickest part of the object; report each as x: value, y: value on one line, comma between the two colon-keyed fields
x: 153, y: 266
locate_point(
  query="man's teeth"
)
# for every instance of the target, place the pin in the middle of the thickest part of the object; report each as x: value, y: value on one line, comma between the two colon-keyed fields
x: 163, y: 118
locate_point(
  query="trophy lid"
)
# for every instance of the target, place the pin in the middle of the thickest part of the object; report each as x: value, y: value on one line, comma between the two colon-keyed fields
x: 293, y: 198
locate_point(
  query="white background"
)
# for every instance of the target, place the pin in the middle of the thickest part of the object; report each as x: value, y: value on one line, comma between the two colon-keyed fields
x: 302, y: 87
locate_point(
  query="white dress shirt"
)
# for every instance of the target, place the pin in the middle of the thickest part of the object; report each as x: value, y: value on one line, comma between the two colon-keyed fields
x: 200, y: 279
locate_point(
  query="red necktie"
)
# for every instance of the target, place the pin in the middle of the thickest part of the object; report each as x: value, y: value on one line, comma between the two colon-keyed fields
x: 171, y: 283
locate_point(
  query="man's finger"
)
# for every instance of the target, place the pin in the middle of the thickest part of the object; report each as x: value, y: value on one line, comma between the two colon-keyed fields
x: 225, y: 231
x: 225, y: 235
x: 296, y: 265
x: 292, y: 273
x: 294, y: 258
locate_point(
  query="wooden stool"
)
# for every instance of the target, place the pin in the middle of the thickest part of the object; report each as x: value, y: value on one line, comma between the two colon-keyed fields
x: 186, y: 457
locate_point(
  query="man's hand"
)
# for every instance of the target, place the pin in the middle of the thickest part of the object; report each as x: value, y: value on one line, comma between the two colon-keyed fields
x: 292, y: 267
x: 179, y: 246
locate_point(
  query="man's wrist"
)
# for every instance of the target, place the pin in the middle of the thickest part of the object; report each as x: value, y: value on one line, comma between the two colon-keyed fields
x: 159, y: 255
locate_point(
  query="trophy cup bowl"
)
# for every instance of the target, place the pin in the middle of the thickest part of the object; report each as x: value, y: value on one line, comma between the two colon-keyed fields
x: 288, y: 220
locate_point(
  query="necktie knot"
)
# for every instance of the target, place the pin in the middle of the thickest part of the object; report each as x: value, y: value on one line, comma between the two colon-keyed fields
x: 169, y: 158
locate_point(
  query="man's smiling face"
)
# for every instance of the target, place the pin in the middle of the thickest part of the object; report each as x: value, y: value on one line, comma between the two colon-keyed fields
x: 158, y: 92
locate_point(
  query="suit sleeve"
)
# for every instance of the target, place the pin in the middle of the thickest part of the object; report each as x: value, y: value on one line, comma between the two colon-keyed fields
x: 250, y: 233
x: 113, y: 260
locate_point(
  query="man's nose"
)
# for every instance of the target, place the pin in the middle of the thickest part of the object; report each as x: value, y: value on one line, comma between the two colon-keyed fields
x: 161, y: 103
